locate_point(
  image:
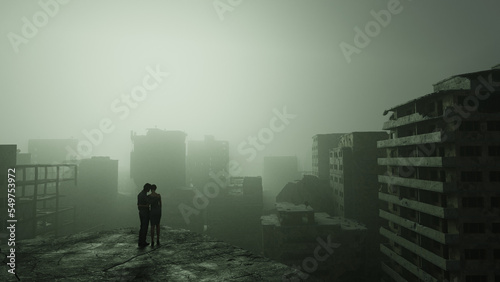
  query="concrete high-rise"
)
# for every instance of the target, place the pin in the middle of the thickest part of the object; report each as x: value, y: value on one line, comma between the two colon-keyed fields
x: 353, y: 175
x: 322, y: 144
x: 354, y: 181
x: 441, y: 186
x: 205, y: 157
x: 159, y: 157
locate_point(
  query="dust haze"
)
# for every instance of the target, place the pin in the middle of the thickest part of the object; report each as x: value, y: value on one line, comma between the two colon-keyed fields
x: 251, y: 85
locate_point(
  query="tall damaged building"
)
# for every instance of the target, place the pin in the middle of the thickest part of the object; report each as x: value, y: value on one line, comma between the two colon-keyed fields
x: 440, y: 187
x: 321, y: 146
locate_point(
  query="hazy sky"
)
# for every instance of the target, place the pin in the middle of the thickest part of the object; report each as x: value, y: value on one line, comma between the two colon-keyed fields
x: 65, y: 68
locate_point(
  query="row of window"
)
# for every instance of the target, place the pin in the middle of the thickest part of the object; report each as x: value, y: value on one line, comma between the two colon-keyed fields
x: 336, y: 167
x: 337, y: 179
x: 465, y: 151
x: 440, y: 175
x: 338, y: 154
x: 468, y: 227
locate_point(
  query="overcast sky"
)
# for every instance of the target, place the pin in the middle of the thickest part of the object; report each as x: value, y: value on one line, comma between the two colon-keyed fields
x: 65, y: 68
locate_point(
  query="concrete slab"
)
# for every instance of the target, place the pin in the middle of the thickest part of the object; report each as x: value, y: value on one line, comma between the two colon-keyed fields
x: 114, y: 256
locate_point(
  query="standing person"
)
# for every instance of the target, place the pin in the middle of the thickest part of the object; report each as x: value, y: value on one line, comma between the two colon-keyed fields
x: 143, y: 206
x: 155, y: 216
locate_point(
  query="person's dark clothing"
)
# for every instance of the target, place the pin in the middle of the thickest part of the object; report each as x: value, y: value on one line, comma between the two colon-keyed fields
x: 155, y: 214
x: 142, y: 199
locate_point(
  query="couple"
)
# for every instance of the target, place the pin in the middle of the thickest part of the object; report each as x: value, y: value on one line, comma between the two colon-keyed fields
x: 149, y: 210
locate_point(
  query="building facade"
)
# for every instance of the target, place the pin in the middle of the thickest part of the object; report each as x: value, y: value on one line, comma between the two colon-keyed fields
x: 322, y: 144
x: 203, y: 157
x: 354, y: 181
x: 41, y: 202
x: 325, y: 247
x: 159, y: 157
x: 353, y: 175
x: 441, y: 185
x: 309, y: 190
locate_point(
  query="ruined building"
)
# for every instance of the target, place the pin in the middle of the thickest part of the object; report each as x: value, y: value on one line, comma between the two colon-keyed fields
x: 309, y: 190
x: 322, y: 144
x: 159, y: 157
x: 203, y: 157
x: 40, y: 205
x: 354, y: 180
x: 329, y: 248
x: 441, y: 186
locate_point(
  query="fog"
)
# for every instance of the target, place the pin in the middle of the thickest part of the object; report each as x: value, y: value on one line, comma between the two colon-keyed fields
x: 228, y: 68
x: 265, y: 77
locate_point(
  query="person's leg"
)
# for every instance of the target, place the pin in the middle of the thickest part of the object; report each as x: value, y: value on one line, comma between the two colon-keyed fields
x: 152, y: 234
x: 140, y: 230
x: 158, y: 234
x: 144, y: 228
x: 148, y: 219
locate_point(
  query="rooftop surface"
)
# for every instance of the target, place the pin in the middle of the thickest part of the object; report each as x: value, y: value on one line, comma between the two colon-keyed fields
x: 114, y: 256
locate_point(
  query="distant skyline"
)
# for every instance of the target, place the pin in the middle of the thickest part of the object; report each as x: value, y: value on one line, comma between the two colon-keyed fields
x: 212, y: 68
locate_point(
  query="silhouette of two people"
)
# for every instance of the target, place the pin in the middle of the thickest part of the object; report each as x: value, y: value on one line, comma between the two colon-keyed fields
x: 149, y: 211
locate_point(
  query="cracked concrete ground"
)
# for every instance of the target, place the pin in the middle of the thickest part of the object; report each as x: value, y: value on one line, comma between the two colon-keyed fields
x: 114, y: 256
